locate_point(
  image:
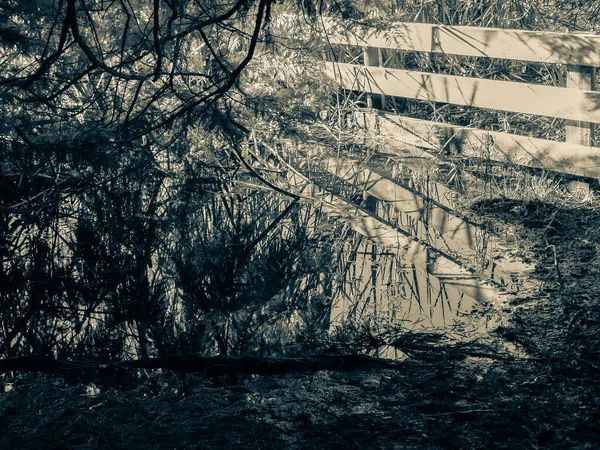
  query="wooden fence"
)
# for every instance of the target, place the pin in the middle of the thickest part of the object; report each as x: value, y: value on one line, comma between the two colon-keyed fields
x: 578, y: 102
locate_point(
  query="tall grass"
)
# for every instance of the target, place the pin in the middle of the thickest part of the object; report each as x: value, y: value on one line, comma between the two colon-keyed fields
x: 547, y: 15
x: 542, y: 15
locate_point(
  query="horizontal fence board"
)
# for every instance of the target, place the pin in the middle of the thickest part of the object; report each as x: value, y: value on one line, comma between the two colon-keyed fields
x: 571, y: 104
x: 562, y: 157
x: 522, y: 45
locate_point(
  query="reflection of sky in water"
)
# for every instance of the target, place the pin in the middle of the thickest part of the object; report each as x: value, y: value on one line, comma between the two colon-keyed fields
x: 413, y: 200
x: 395, y: 287
x: 387, y: 277
x: 409, y: 283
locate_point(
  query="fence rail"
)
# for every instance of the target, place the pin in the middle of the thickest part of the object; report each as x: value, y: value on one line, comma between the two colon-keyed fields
x: 531, y: 46
x: 578, y: 102
x: 526, y: 98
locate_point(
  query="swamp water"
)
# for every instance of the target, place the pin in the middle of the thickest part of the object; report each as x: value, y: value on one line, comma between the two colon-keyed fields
x: 412, y: 262
x: 404, y: 258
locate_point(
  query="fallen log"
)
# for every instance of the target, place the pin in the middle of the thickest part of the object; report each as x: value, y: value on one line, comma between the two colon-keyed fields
x: 211, y: 366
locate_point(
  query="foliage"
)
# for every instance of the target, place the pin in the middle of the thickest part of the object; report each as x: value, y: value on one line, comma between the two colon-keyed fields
x: 122, y: 229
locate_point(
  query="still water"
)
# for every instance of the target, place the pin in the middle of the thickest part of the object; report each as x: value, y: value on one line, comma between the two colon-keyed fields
x: 413, y: 261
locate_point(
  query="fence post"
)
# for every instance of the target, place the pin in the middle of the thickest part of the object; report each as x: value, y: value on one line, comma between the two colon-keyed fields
x: 380, y: 62
x: 583, y: 78
x: 579, y: 132
x: 372, y: 58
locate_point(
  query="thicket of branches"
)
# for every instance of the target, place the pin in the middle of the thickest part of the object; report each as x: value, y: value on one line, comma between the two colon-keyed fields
x: 121, y: 232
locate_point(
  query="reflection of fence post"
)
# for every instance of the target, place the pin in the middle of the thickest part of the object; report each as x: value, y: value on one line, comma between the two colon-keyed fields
x: 372, y: 57
x: 579, y: 132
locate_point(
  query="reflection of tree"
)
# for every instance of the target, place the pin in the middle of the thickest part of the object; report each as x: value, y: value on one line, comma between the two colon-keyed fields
x: 219, y: 279
x: 252, y: 291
